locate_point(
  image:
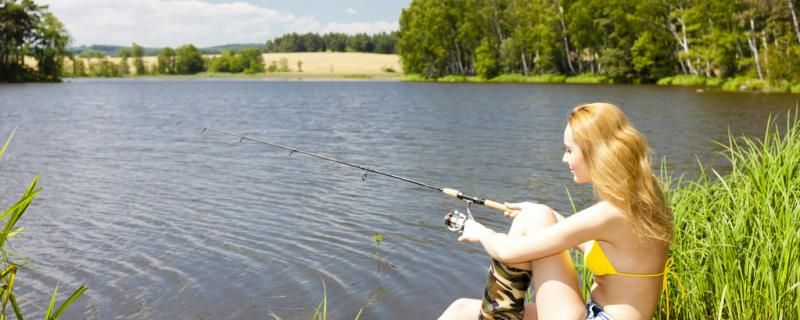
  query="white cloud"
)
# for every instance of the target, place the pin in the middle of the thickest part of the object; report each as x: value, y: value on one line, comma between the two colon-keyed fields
x: 351, y: 11
x: 176, y: 22
x: 361, y: 27
x: 156, y: 23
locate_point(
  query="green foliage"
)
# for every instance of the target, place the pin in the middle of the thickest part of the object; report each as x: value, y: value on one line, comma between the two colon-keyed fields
x: 513, y: 77
x: 651, y: 57
x: 664, y: 81
x: 137, y: 52
x: 627, y: 41
x: 188, y: 60
x: 167, y: 63
x: 688, y: 80
x: 8, y: 220
x: 252, y: 61
x: 334, y: 42
x: 451, y: 78
x: 748, y: 84
x: 486, y: 64
x: 714, y: 82
x: 736, y: 242
x: 588, y: 78
x: 413, y: 77
x: 29, y: 29
x: 548, y: 78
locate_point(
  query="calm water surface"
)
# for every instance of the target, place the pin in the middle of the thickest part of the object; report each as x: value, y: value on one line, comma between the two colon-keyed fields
x: 166, y: 222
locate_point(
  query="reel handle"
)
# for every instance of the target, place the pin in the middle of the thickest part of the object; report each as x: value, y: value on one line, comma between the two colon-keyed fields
x: 486, y: 203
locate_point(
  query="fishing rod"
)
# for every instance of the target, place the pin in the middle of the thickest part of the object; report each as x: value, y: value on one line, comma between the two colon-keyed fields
x: 454, y: 220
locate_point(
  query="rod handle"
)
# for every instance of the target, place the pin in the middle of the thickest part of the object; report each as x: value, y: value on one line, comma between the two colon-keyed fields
x: 451, y: 192
x: 486, y: 203
x: 495, y: 205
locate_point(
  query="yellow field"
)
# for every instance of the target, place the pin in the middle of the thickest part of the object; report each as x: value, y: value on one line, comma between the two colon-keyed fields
x: 314, y: 64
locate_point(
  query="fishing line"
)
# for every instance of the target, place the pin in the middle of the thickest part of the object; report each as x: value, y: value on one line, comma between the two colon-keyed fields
x: 454, y: 219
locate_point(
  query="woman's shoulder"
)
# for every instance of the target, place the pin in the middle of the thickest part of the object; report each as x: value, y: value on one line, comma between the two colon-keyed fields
x: 607, y: 210
x: 601, y: 214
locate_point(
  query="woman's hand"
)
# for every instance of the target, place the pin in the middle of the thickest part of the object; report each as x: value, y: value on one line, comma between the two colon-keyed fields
x: 473, y: 232
x: 515, y: 208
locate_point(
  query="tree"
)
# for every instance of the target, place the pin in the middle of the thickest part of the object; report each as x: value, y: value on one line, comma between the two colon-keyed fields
x: 124, y: 54
x: 137, y: 52
x: 167, y: 63
x: 252, y: 60
x: 486, y: 63
x: 29, y: 29
x: 188, y: 60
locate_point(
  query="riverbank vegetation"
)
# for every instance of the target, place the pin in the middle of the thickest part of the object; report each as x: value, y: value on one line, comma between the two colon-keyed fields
x: 333, y: 42
x: 28, y: 29
x: 231, y: 64
x: 717, y: 41
x: 737, y: 241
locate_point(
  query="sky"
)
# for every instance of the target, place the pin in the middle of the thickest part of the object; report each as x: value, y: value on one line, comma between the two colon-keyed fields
x: 204, y: 23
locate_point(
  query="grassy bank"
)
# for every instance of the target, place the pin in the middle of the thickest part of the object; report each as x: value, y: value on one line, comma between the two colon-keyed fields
x: 743, y: 84
x: 513, y: 78
x: 737, y: 242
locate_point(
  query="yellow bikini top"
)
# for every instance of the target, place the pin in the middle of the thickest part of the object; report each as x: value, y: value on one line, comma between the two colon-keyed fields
x: 596, y: 260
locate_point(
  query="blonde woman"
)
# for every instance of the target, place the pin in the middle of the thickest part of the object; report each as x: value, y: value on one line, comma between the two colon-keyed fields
x: 624, y: 236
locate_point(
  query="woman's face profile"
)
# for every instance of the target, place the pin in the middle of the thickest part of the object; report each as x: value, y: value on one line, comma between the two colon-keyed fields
x: 573, y: 157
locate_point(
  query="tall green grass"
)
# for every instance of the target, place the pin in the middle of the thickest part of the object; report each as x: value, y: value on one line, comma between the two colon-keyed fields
x: 588, y: 78
x: 8, y: 276
x: 737, y: 241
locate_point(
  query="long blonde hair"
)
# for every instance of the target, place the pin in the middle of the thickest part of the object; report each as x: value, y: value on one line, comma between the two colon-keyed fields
x: 618, y: 160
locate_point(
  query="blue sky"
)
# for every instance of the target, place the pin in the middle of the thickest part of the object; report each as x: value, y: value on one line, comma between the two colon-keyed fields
x: 156, y: 23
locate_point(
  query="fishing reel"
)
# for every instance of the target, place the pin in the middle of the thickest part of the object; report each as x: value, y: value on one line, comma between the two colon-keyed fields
x: 455, y: 220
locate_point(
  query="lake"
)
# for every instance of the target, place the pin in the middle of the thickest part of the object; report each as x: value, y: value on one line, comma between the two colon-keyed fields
x: 169, y: 222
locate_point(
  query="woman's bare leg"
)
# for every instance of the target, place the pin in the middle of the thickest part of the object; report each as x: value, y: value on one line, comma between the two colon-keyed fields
x: 557, y: 291
x: 462, y: 309
x: 558, y: 294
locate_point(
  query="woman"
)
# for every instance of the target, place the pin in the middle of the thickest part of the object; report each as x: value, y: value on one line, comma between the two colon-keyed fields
x: 624, y: 236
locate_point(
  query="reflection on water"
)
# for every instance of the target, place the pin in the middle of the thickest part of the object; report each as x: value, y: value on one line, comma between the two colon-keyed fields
x: 167, y: 222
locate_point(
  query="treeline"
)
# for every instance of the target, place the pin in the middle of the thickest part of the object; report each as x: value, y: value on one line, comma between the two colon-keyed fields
x: 184, y: 60
x: 335, y: 42
x: 624, y: 40
x: 28, y: 29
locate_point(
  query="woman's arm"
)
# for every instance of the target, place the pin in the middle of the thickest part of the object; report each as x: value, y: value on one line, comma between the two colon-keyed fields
x: 583, y: 226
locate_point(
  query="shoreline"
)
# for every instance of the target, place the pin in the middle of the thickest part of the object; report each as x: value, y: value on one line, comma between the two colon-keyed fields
x: 700, y: 84
x: 399, y: 77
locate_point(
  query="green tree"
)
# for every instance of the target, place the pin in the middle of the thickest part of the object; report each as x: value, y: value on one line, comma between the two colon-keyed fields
x: 29, y: 29
x: 137, y: 52
x: 652, y: 59
x: 124, y: 54
x: 252, y: 60
x: 167, y: 63
x: 188, y: 60
x: 486, y: 64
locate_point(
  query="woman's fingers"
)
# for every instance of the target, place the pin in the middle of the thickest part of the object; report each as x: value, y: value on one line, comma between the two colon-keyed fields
x: 514, y: 206
x: 514, y: 209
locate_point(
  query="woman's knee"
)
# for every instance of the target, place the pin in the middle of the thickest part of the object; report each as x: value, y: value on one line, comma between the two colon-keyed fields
x: 532, y: 218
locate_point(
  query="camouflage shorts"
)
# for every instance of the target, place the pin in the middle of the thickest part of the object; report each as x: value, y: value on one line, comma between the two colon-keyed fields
x: 504, y: 297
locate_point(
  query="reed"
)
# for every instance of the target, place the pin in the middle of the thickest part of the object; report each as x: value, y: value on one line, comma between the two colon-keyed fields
x: 737, y: 241
x: 8, y: 276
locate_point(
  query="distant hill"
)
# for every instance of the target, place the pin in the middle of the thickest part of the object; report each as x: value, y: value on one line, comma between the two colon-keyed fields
x: 112, y: 50
x: 236, y: 47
